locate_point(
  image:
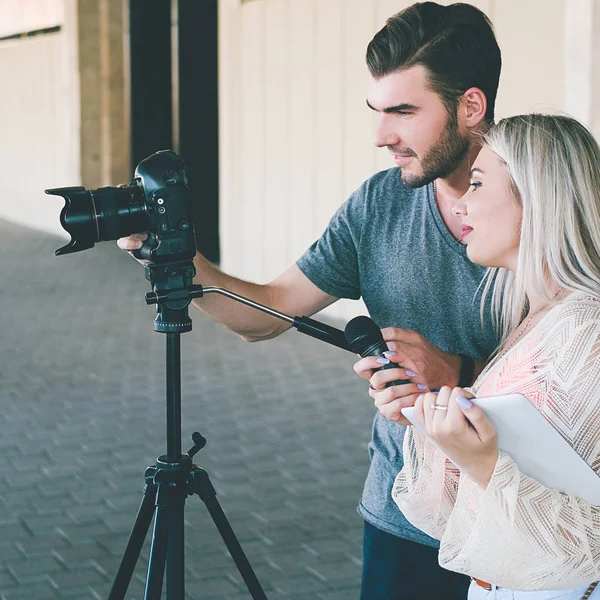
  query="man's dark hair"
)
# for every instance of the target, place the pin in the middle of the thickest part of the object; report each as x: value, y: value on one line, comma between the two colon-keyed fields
x: 455, y: 43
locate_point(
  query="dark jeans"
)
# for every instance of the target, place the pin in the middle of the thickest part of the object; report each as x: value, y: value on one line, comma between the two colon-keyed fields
x: 397, y: 569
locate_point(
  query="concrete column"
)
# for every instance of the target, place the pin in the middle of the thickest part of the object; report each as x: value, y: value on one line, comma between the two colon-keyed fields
x: 105, y: 139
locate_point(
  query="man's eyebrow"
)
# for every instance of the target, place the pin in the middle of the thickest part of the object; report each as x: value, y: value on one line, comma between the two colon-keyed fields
x: 395, y: 109
x: 475, y: 170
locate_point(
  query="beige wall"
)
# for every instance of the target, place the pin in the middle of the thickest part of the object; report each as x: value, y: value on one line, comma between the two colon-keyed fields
x: 20, y: 16
x: 63, y: 111
x: 39, y: 120
x: 296, y: 136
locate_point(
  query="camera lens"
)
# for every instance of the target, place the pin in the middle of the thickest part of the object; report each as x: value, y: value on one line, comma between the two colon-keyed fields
x: 99, y: 215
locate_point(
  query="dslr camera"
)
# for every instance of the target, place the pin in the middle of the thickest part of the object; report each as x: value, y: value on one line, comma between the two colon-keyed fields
x: 154, y: 201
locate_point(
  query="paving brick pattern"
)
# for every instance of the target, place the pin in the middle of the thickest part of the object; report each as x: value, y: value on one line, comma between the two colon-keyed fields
x: 83, y: 414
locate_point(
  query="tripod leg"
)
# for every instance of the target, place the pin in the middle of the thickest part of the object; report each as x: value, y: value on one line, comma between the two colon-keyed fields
x: 203, y: 487
x: 134, y: 545
x: 175, y: 555
x: 158, y: 552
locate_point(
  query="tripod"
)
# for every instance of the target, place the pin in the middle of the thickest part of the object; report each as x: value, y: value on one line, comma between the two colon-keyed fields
x: 174, y: 477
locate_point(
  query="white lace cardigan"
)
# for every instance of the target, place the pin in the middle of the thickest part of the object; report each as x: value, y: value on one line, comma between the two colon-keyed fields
x: 517, y: 533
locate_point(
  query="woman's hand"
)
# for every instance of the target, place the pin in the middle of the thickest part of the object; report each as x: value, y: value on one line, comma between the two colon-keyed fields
x: 461, y: 430
x: 390, y: 401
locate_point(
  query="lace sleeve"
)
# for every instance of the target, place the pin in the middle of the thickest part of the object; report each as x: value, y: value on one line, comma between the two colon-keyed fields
x: 426, y: 487
x: 517, y: 533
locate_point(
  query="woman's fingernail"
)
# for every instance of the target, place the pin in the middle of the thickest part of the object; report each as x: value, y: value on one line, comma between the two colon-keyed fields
x: 382, y: 361
x: 422, y: 386
x: 389, y: 353
x: 463, y: 402
x: 410, y: 373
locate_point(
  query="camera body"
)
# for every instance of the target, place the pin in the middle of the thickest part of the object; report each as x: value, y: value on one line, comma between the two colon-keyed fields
x: 162, y: 180
x: 155, y: 201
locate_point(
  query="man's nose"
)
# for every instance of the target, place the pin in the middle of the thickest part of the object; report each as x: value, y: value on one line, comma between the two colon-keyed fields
x: 385, y: 134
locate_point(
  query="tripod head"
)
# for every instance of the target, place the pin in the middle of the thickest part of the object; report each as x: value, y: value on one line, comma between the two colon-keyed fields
x: 172, y: 282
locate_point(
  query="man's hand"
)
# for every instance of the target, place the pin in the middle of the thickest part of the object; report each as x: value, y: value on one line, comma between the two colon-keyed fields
x: 133, y: 242
x: 434, y: 366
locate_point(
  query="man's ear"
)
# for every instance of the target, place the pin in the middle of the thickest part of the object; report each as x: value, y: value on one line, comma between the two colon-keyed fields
x: 472, y: 107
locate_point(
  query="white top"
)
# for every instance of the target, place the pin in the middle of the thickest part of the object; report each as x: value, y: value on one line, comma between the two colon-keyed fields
x: 517, y: 533
x: 539, y: 450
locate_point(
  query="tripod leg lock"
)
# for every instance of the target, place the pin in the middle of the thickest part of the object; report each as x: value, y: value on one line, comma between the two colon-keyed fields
x: 199, y: 483
x: 149, y: 477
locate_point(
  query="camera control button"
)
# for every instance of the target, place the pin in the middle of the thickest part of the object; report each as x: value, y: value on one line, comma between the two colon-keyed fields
x: 162, y: 210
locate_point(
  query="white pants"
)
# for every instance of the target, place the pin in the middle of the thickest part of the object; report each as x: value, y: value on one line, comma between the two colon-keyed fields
x: 478, y: 593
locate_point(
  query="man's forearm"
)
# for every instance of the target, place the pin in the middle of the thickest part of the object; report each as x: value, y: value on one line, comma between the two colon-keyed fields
x: 250, y: 323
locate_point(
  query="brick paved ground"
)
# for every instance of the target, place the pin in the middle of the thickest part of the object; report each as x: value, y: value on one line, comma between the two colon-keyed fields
x: 82, y: 400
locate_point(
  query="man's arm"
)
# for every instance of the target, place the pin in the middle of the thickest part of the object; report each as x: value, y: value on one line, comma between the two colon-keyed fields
x: 291, y: 293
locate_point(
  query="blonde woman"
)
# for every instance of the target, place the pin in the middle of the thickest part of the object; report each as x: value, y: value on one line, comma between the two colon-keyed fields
x: 532, y: 215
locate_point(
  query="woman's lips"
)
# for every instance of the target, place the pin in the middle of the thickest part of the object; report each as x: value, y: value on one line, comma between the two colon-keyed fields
x: 465, y: 232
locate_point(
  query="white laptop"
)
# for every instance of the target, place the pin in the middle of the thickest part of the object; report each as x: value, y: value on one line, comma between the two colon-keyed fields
x: 537, y: 448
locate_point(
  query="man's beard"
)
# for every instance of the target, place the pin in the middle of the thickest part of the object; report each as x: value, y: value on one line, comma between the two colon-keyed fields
x: 443, y: 158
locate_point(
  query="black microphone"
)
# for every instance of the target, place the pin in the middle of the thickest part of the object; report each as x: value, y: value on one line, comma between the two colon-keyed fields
x: 364, y: 337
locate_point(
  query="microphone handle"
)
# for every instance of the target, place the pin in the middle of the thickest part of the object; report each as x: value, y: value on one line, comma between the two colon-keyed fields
x: 321, y: 331
x: 392, y: 365
x: 378, y: 351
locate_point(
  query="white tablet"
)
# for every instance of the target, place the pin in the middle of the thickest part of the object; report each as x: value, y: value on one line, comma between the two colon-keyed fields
x: 537, y: 448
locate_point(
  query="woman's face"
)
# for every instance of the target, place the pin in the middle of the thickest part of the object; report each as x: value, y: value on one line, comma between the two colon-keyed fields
x: 490, y: 214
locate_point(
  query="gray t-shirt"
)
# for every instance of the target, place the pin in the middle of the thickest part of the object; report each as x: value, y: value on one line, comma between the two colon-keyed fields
x: 389, y: 244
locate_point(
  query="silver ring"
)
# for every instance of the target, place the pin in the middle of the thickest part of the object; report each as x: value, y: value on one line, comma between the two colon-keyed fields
x: 439, y: 407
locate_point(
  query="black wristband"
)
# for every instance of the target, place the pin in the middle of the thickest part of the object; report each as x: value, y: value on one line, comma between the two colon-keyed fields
x: 467, y: 369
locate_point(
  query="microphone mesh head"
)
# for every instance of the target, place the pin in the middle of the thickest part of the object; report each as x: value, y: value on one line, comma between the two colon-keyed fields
x: 361, y: 333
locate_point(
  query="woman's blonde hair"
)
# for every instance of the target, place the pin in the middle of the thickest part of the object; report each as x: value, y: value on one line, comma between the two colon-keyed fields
x: 554, y: 165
